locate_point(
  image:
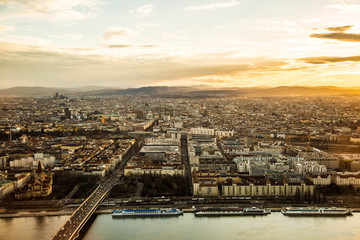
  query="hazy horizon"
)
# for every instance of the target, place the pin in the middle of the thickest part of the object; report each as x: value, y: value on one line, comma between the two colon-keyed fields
x: 222, y: 43
x: 179, y: 86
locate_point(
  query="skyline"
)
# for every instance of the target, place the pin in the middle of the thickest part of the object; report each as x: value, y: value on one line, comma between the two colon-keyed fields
x: 56, y: 43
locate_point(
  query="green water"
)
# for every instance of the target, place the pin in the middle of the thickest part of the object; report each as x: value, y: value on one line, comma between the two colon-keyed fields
x: 274, y: 226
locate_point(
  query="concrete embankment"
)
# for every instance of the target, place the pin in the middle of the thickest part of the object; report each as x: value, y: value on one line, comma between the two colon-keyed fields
x: 34, y: 214
x: 13, y: 214
x: 4, y: 214
x: 45, y: 213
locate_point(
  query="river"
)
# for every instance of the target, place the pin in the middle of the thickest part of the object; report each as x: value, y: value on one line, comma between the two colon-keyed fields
x: 274, y: 226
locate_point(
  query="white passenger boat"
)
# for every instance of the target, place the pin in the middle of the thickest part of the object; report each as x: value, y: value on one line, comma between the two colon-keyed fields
x: 316, y: 211
x: 242, y: 212
x: 157, y: 212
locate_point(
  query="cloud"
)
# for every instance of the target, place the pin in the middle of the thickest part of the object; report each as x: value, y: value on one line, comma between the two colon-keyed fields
x: 325, y: 60
x: 44, y: 68
x: 338, y: 33
x: 5, y: 28
x: 72, y: 36
x: 346, y: 7
x: 340, y: 36
x: 211, y: 6
x: 24, y: 40
x: 211, y: 80
x: 340, y: 29
x: 129, y: 46
x: 145, y: 25
x: 117, y: 32
x: 24, y: 66
x: 142, y: 11
x: 78, y: 49
x: 52, y: 10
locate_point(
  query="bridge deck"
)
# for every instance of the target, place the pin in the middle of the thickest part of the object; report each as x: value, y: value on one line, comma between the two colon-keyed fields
x: 72, y: 227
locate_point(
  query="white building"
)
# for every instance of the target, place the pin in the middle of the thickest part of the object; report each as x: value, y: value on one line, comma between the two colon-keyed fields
x: 212, y: 132
x: 320, y: 180
x: 24, y: 139
x: 346, y: 178
x: 202, y: 131
x: 21, y: 180
x: 47, y: 161
x: 312, y: 167
x: 243, y: 166
x: 355, y: 139
x: 224, y: 133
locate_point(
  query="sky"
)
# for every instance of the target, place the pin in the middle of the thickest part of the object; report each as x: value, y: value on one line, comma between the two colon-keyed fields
x: 221, y: 43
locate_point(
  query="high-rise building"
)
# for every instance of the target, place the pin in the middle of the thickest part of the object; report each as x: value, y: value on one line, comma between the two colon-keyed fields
x: 67, y: 113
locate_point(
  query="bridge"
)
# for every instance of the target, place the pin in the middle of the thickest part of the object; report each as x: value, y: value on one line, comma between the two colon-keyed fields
x: 70, y: 230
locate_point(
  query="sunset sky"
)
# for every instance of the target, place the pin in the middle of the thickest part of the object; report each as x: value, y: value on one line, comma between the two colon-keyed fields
x: 230, y: 43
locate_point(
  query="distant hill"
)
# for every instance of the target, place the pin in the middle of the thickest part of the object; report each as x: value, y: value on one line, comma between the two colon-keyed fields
x: 30, y: 91
x: 221, y: 92
x: 43, y: 91
x: 183, y: 91
x: 306, y: 91
x: 162, y: 90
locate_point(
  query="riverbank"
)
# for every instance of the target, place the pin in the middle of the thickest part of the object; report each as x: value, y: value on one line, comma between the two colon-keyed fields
x: 18, y: 214
x: 46, y: 213
x: 35, y: 214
